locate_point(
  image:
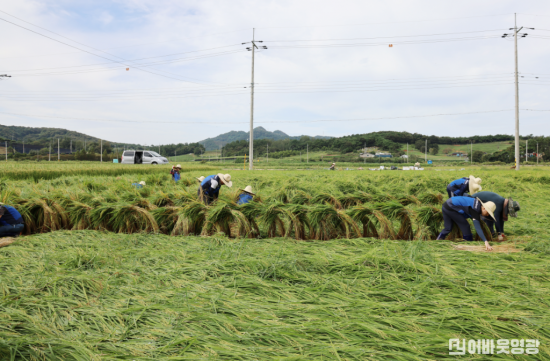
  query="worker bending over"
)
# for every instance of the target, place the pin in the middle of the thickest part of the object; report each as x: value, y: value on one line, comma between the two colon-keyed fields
x: 333, y: 166
x: 139, y: 185
x: 246, y: 196
x: 209, y: 190
x: 464, y: 185
x: 11, y: 221
x: 459, y: 209
x: 504, y: 208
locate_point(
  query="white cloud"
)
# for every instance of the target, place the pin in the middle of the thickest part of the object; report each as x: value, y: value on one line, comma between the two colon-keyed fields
x: 291, y: 81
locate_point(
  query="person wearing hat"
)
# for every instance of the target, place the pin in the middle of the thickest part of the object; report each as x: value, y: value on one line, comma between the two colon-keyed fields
x: 333, y: 166
x: 246, y: 196
x: 11, y: 221
x: 200, y: 179
x: 175, y: 172
x: 458, y: 209
x: 464, y: 185
x: 139, y: 185
x: 209, y: 189
x: 505, y: 207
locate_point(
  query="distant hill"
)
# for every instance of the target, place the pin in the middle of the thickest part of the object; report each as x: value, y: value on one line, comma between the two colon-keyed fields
x: 259, y: 133
x: 40, y: 135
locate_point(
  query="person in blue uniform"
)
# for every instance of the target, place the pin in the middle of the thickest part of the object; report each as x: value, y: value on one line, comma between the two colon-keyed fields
x: 504, y: 207
x: 457, y: 210
x: 246, y: 196
x: 458, y: 187
x: 209, y: 189
x: 139, y: 185
x: 176, y: 173
x: 11, y: 221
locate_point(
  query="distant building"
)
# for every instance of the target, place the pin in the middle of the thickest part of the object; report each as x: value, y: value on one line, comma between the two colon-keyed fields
x: 405, y: 156
x: 383, y: 155
x: 366, y: 155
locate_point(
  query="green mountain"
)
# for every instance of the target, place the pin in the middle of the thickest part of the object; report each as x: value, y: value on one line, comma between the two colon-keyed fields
x: 259, y: 133
x: 40, y: 135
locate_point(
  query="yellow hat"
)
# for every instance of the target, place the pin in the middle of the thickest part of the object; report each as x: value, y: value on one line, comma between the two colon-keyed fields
x: 226, y: 179
x: 489, y: 207
x: 142, y: 183
x: 248, y: 189
x: 200, y: 179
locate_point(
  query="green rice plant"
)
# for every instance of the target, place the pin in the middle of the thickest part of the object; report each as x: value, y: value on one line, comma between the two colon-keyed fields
x: 184, y: 197
x: 367, y: 216
x: 407, y: 199
x: 163, y: 199
x: 252, y: 212
x: 297, y: 215
x: 41, y: 215
x: 79, y: 214
x: 322, y: 198
x: 382, y: 197
x: 328, y: 222
x: 271, y: 217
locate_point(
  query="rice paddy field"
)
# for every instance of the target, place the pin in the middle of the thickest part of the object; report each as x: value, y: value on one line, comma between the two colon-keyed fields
x: 322, y: 265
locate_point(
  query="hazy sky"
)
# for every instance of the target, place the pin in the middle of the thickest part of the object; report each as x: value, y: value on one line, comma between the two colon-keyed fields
x: 326, y: 60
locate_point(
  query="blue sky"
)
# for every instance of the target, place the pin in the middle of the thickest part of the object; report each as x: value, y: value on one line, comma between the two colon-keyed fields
x: 326, y: 60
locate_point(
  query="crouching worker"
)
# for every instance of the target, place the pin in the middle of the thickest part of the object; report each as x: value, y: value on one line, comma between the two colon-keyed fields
x: 459, y: 209
x: 504, y: 207
x: 176, y: 173
x: 246, y: 196
x: 458, y: 187
x: 209, y: 190
x: 139, y: 185
x: 11, y: 221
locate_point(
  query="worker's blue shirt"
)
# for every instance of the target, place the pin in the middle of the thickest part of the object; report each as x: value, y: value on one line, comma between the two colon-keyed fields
x: 137, y: 185
x: 11, y: 216
x: 207, y: 188
x: 458, y: 187
x: 468, y: 207
x: 244, y: 198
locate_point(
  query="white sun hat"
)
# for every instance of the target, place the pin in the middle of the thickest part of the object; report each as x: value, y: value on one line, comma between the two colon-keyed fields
x: 474, y: 185
x: 200, y: 179
x: 178, y: 166
x: 226, y: 179
x: 248, y: 189
x: 489, y: 207
x: 142, y: 183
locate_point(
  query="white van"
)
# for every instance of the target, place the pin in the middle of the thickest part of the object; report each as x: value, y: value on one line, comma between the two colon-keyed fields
x: 142, y: 157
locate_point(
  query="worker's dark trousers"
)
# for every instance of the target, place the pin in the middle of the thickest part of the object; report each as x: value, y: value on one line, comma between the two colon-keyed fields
x: 449, y: 217
x: 205, y: 198
x: 490, y: 223
x: 11, y: 230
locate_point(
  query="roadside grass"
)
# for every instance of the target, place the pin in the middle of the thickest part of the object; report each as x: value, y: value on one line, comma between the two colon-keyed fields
x: 86, y: 295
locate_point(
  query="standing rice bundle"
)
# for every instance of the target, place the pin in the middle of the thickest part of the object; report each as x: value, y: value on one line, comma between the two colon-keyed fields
x: 191, y: 219
x: 251, y: 211
x: 298, y: 221
x: 223, y: 217
x: 366, y: 216
x: 42, y: 215
x: 429, y: 220
x: 434, y: 198
x: 327, y: 222
x: 300, y: 197
x: 166, y: 218
x: 326, y: 198
x: 271, y: 216
x: 396, y: 211
x: 130, y: 218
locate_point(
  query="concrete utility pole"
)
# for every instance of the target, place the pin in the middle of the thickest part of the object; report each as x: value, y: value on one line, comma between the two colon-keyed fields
x: 101, y: 156
x: 50, y: 152
x: 307, y: 157
x: 526, y: 151
x: 6, y: 145
x: 471, y: 152
x: 516, y: 33
x: 58, y: 151
x: 267, y: 153
x: 537, y: 153
x: 251, y: 140
x: 426, y: 152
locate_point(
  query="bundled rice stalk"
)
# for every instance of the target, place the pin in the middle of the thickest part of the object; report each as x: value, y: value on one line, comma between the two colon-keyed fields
x: 164, y: 199
x: 271, y: 216
x: 328, y: 222
x: 298, y: 221
x: 79, y: 214
x: 326, y: 198
x: 396, y: 211
x: 130, y: 218
x: 223, y: 217
x: 408, y: 199
x: 166, y: 218
x: 429, y: 221
x: 252, y: 212
x: 365, y: 215
x: 300, y: 197
x: 434, y: 198
x: 42, y: 215
x: 486, y: 232
x: 191, y: 219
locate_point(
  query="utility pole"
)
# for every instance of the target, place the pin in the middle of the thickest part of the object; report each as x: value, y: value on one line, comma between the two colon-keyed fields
x: 267, y: 153
x: 516, y: 33
x: 307, y: 157
x: 23, y: 146
x: 6, y: 145
x: 537, y: 153
x: 101, y: 150
x: 251, y: 140
x: 426, y: 152
x: 407, y: 152
x: 526, y: 151
x: 71, y: 147
x: 58, y: 151
x: 471, y: 152
x: 50, y: 152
